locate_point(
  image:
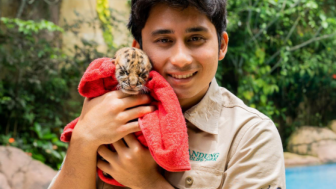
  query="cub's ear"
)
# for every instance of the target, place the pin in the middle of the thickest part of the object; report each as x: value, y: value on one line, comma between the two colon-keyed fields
x: 120, y: 51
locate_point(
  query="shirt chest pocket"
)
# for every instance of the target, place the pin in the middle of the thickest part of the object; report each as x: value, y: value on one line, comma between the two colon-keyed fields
x: 199, y: 178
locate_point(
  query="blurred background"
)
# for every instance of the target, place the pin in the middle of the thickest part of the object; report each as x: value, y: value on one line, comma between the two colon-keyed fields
x: 281, y: 60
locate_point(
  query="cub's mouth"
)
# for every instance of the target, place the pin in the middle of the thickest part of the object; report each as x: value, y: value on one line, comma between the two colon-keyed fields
x: 131, y: 92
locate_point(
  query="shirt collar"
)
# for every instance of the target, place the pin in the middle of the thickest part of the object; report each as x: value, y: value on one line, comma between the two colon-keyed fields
x: 205, y: 115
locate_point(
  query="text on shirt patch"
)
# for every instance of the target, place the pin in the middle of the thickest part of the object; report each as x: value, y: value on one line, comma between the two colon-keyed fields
x: 199, y: 156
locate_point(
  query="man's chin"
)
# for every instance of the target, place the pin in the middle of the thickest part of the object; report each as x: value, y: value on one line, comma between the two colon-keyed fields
x: 183, y: 95
x: 189, y: 97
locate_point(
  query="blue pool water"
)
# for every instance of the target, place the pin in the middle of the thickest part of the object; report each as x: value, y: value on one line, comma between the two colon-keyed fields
x: 311, y: 177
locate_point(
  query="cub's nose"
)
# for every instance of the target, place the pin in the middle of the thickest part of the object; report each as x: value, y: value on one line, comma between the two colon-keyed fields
x: 133, y: 82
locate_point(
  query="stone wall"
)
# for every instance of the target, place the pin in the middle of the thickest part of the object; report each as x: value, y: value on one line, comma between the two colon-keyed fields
x: 20, y: 171
x: 311, y: 145
x: 86, y: 10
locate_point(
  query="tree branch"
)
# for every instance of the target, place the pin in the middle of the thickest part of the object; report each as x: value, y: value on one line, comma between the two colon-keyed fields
x: 249, y: 24
x: 318, y: 31
x: 293, y: 27
x: 23, y: 4
x: 255, y: 3
x: 233, y: 61
x: 302, y: 45
x: 283, y: 5
x: 51, y: 2
x: 262, y: 30
x: 296, y: 4
x: 276, y: 66
x: 273, y: 56
x: 311, y: 41
x: 272, y: 22
x: 287, y: 37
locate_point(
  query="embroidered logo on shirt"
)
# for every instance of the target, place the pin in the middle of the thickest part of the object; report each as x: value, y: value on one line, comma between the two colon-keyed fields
x: 199, y: 156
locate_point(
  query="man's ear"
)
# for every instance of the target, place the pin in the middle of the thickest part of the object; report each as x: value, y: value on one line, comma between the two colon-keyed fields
x: 223, y: 46
x: 135, y: 44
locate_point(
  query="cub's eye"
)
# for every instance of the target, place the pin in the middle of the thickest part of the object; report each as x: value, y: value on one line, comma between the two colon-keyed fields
x: 123, y: 72
x: 144, y: 75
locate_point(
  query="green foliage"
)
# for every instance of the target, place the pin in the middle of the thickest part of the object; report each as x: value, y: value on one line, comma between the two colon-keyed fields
x: 38, y: 84
x: 34, y: 89
x: 30, y: 27
x: 104, y: 15
x: 281, y: 60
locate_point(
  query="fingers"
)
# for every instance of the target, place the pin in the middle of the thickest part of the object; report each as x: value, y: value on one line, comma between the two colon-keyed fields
x: 104, y: 166
x: 107, y: 154
x: 117, y: 94
x: 130, y: 127
x: 135, y: 100
x: 131, y: 141
x: 137, y: 112
x: 107, y: 97
x: 120, y: 101
x: 120, y: 145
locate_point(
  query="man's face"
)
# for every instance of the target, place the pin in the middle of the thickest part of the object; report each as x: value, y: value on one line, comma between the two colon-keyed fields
x: 183, y: 47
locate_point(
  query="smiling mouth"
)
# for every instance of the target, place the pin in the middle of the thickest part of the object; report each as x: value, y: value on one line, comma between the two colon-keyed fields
x: 182, y: 76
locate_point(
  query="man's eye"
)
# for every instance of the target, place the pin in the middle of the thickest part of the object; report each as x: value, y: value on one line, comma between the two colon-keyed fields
x: 196, y: 39
x: 163, y: 40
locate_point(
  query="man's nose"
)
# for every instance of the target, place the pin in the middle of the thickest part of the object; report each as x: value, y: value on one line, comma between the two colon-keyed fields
x: 180, y: 55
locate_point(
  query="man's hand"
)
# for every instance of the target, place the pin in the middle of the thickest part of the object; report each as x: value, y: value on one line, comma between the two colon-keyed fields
x: 105, y: 119
x: 131, y: 165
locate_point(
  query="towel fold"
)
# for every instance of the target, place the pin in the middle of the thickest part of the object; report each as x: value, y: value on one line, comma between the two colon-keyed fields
x: 163, y: 131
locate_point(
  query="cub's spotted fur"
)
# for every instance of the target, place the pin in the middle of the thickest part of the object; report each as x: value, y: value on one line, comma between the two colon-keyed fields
x: 132, y: 70
x: 132, y: 67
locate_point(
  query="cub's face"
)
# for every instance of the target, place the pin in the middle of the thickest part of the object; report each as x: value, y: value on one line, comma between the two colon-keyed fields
x: 132, y: 70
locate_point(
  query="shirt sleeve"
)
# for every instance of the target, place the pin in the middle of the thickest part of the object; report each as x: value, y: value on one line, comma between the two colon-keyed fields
x: 257, y: 160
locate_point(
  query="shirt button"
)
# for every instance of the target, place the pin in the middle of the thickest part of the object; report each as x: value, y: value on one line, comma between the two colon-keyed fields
x: 189, y: 181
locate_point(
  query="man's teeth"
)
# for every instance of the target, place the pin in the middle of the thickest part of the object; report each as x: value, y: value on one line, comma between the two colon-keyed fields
x: 182, y: 76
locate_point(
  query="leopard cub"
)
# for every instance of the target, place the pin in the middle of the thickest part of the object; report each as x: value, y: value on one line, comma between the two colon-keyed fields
x: 132, y: 70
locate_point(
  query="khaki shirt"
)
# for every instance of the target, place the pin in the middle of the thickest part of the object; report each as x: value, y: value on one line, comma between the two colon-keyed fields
x: 231, y: 146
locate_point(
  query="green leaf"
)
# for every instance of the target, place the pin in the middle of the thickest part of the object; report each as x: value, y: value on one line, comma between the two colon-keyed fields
x: 39, y: 157
x: 56, y: 154
x: 37, y: 129
x: 61, y: 144
x: 325, y: 25
x: 49, y: 136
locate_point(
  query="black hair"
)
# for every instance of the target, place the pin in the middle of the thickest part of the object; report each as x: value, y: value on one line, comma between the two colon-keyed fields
x: 215, y: 10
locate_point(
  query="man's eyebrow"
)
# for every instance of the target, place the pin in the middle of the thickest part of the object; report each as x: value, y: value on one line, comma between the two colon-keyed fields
x: 162, y: 31
x: 197, y: 29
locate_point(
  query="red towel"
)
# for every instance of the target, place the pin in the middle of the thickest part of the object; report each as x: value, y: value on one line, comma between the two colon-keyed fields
x: 164, y: 131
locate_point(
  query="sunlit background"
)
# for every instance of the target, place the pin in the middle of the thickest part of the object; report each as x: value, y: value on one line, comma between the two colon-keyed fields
x: 281, y: 60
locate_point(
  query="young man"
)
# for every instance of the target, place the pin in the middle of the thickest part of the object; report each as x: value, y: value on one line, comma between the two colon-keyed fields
x: 230, y: 145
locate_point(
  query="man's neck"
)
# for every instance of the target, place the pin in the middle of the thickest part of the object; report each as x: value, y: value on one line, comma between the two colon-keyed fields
x: 190, y: 102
